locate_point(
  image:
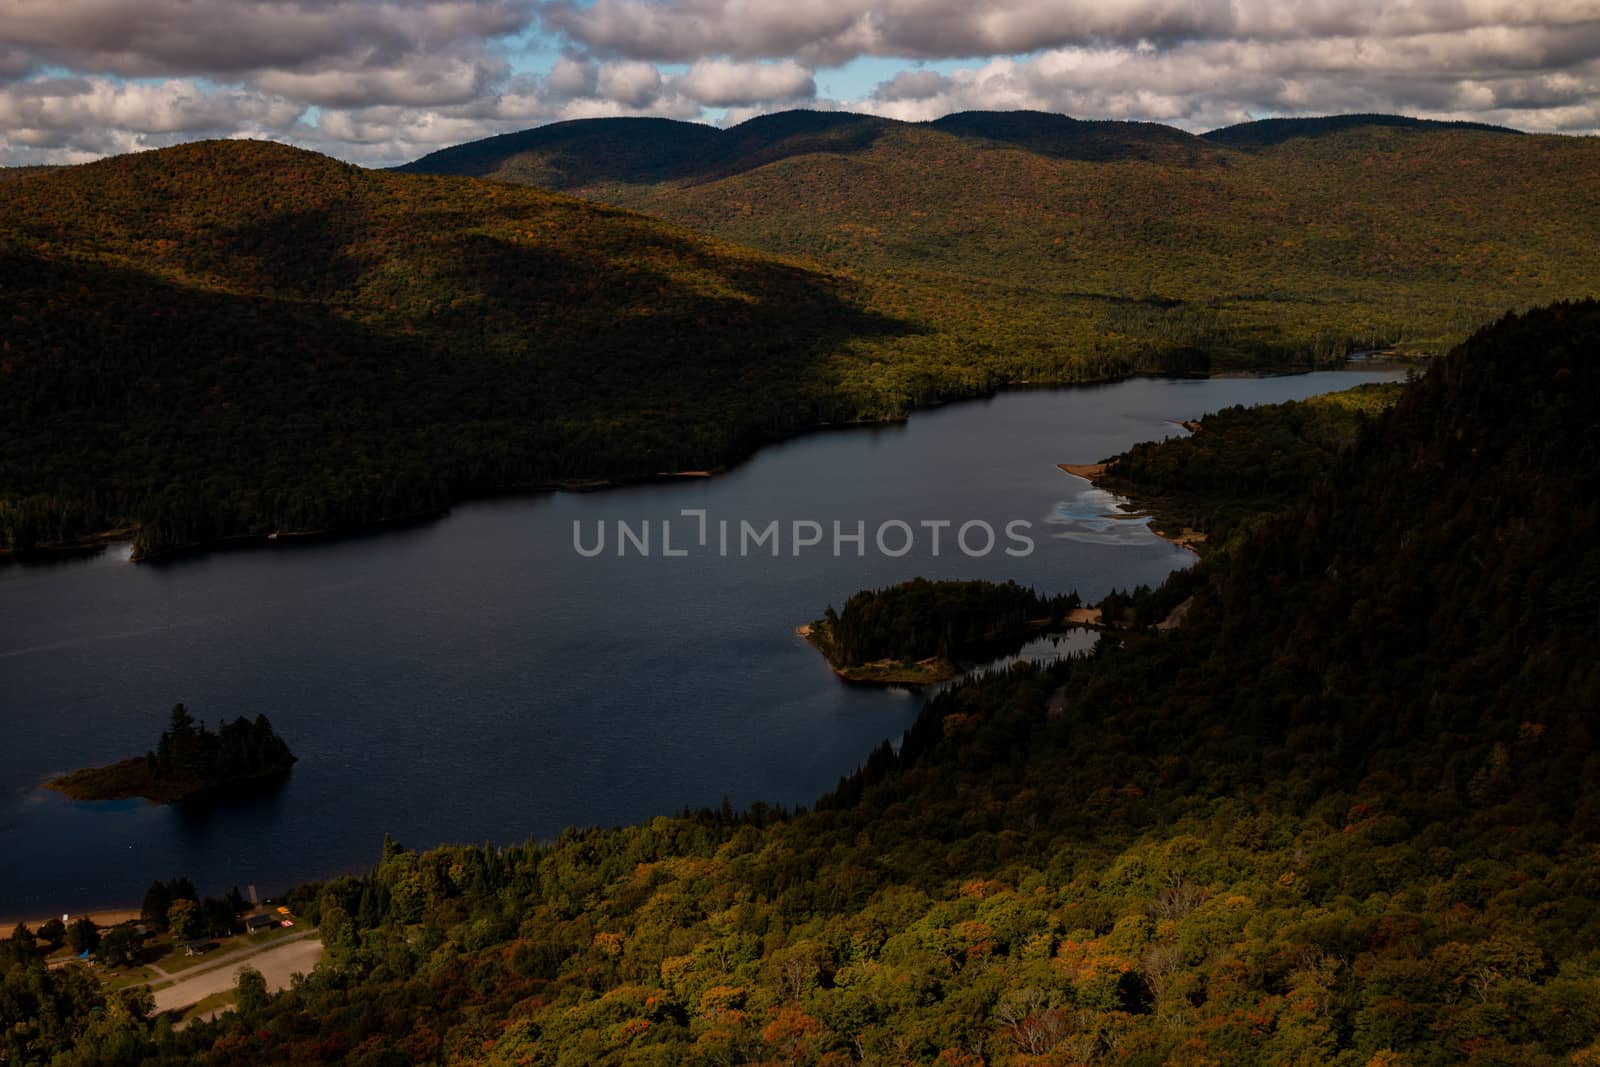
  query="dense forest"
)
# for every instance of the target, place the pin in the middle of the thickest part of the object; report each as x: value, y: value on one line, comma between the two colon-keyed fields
x: 1348, y: 813
x: 189, y: 760
x: 924, y: 630
x: 235, y: 339
x: 1242, y: 462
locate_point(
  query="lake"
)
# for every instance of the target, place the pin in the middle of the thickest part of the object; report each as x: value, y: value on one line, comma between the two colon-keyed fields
x: 479, y: 679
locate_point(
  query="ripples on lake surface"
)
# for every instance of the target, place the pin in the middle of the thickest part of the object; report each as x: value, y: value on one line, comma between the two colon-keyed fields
x: 473, y: 679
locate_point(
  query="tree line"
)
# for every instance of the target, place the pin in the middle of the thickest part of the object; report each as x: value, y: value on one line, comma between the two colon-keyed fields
x: 956, y: 621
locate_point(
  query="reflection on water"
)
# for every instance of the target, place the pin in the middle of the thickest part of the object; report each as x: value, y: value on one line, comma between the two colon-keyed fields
x: 1097, y: 517
x: 1044, y: 651
x: 1049, y: 649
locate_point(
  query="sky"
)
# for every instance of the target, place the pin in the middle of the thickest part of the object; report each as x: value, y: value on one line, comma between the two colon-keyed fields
x: 385, y: 81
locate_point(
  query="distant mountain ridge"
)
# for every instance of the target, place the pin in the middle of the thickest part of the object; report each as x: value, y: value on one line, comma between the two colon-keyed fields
x: 1266, y: 132
x: 1056, y: 238
x: 659, y: 149
x: 1068, y: 138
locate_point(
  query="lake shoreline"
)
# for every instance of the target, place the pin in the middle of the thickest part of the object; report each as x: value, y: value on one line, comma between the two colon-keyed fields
x: 92, y: 543
x: 1096, y: 474
x: 127, y: 779
x: 103, y: 917
x: 884, y: 673
x: 934, y: 670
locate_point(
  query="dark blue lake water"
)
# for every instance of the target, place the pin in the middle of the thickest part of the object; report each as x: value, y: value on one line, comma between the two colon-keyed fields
x: 477, y: 679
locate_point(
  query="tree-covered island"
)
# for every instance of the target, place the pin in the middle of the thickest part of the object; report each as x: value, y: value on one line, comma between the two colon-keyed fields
x: 921, y: 632
x: 189, y: 761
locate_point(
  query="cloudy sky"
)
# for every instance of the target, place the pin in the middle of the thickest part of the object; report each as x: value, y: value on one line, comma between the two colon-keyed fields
x: 383, y: 81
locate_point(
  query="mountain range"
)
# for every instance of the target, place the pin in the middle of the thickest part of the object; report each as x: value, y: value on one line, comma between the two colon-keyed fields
x: 1058, y: 237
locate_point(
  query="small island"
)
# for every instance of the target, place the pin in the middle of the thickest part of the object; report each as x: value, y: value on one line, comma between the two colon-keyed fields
x: 922, y: 632
x: 189, y: 762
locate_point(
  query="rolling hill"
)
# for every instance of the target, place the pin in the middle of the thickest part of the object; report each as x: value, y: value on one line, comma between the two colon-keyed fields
x: 1072, y: 244
x: 1263, y: 133
x: 233, y: 338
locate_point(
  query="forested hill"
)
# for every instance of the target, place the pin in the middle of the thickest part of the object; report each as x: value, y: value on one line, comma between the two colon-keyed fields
x: 239, y: 337
x: 1348, y: 813
x: 1266, y: 132
x: 1418, y: 617
x: 1056, y: 239
x: 583, y: 152
x: 12, y: 173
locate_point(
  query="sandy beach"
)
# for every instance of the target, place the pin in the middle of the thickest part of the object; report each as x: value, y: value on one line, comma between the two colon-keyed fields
x: 103, y: 917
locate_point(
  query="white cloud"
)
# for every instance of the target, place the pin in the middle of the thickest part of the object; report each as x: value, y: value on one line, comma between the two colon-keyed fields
x: 629, y: 83
x: 912, y: 85
x: 68, y: 119
x: 422, y: 81
x: 574, y: 77
x: 688, y: 30
x: 837, y: 30
x: 725, y: 83
x: 1494, y: 77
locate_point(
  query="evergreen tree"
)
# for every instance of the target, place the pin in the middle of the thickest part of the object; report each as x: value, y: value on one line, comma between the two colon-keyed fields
x: 83, y: 935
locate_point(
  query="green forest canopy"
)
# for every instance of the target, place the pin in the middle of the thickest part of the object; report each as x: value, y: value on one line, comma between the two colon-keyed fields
x: 1035, y: 243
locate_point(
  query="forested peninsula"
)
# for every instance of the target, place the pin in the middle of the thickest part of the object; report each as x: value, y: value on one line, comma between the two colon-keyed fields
x: 1239, y: 463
